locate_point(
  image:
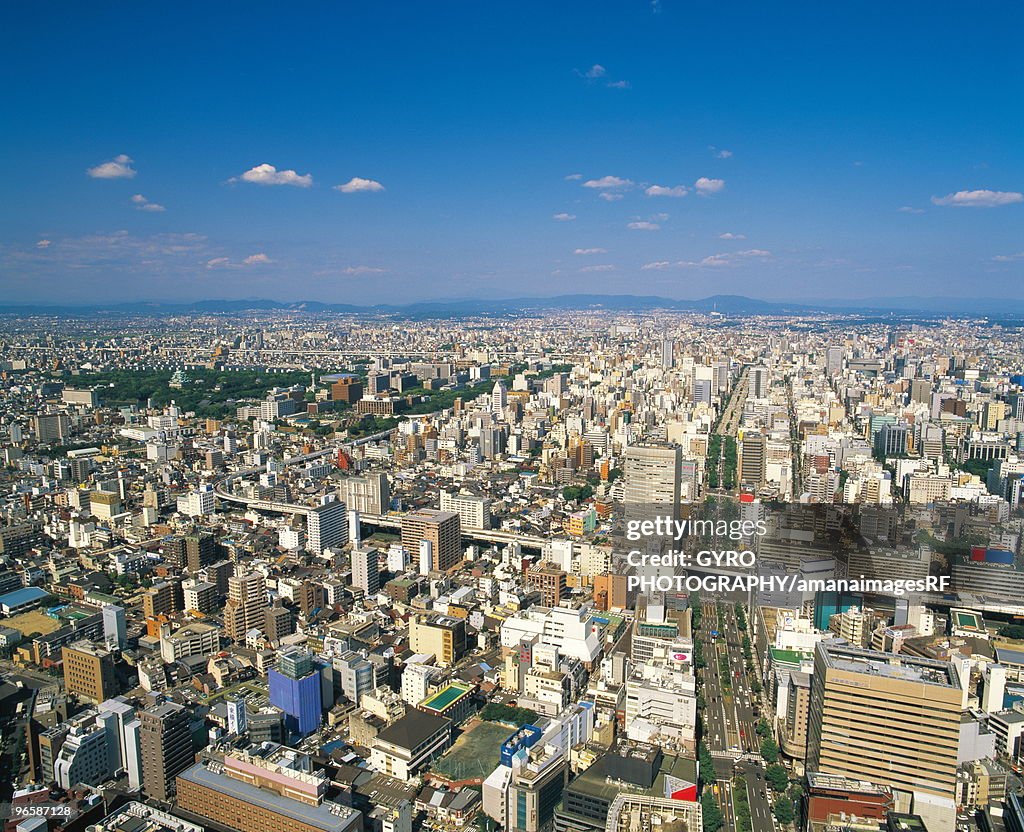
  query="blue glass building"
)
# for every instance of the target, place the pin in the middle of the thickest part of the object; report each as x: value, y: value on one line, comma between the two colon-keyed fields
x: 295, y: 689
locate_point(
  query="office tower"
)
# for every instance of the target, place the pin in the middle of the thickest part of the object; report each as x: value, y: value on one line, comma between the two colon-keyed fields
x: 166, y: 738
x: 499, y: 399
x: 348, y: 389
x: 115, y: 629
x: 652, y: 481
x: 89, y: 672
x: 474, y: 512
x: 892, y: 720
x: 668, y: 353
x: 247, y: 600
x: 295, y: 688
x: 752, y: 458
x: 326, y: 526
x: 354, y: 675
x: 798, y: 703
x: 758, y: 382
x: 492, y: 441
x: 701, y: 391
x: 367, y: 494
x: 442, y: 529
x: 522, y: 796
x: 200, y: 551
x: 51, y: 427
x: 173, y: 549
x: 365, y: 574
x: 120, y: 718
x: 200, y: 596
x: 891, y: 440
x: 834, y: 361
x: 237, y: 719
x: 921, y: 390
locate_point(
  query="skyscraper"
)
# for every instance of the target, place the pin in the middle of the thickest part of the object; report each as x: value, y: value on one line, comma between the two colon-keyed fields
x: 238, y: 721
x: 326, y: 526
x: 890, y: 719
x: 441, y: 528
x: 247, y: 601
x: 166, y: 738
x: 295, y: 689
x: 115, y: 630
x: 652, y: 481
x: 365, y: 574
x: 499, y: 398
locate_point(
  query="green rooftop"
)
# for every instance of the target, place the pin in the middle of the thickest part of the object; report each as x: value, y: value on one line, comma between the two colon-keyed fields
x: 446, y: 696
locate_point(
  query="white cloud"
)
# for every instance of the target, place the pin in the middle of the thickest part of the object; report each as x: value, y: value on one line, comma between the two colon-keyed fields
x: 723, y: 154
x: 712, y: 261
x: 642, y: 225
x: 591, y: 251
x: 354, y: 270
x: 619, y: 85
x: 730, y: 259
x: 269, y: 175
x: 357, y: 185
x: 596, y: 71
x: 143, y: 204
x: 979, y: 199
x: 609, y: 196
x: 44, y: 243
x: 662, y: 190
x: 728, y: 235
x: 603, y: 267
x: 120, y: 167
x: 707, y: 186
x: 259, y: 259
x: 573, y: 176
x: 909, y: 209
x: 563, y: 217
x: 608, y: 182
x: 1009, y: 258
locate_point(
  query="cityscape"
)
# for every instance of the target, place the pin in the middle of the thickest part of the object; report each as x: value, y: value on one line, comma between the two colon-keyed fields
x: 573, y: 417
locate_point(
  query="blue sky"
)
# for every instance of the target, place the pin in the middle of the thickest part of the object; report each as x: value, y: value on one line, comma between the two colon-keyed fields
x: 783, y: 151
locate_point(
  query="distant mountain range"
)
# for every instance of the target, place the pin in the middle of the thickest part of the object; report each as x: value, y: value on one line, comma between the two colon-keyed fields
x: 725, y: 304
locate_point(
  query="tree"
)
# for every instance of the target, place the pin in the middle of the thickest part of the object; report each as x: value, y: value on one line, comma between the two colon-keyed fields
x: 711, y: 813
x: 706, y: 765
x: 763, y: 728
x: 769, y: 750
x: 784, y: 812
x: 777, y: 777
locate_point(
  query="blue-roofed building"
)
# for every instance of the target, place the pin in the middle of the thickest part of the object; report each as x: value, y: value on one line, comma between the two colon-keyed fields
x: 11, y: 603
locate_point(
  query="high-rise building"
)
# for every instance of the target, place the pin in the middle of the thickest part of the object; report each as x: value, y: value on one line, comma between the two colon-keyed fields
x: 89, y: 672
x: 163, y: 598
x: 668, y: 353
x: 115, y: 629
x: 295, y: 688
x: 550, y: 581
x: 200, y: 551
x: 442, y: 636
x: 652, y: 481
x: 499, y: 399
x: 326, y: 526
x: 889, y: 719
x: 365, y: 573
x: 834, y: 361
x: 753, y: 457
x: 442, y: 529
x: 758, y: 382
x: 367, y: 494
x: 166, y: 738
x: 474, y: 512
x: 247, y: 601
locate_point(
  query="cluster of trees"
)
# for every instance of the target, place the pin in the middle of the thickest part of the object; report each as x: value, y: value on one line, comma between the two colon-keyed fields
x: 371, y: 424
x: 714, y: 453
x: 207, y: 392
x: 729, y: 462
x: 577, y: 492
x: 1012, y: 631
x: 509, y: 714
